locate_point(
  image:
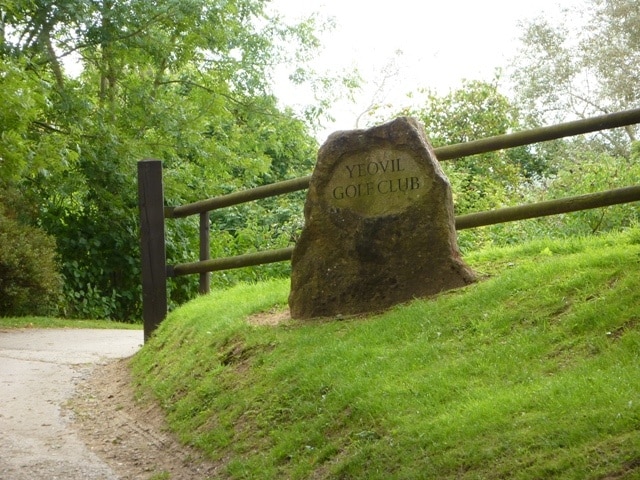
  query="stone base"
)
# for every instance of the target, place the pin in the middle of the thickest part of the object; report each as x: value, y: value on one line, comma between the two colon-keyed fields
x: 379, y: 225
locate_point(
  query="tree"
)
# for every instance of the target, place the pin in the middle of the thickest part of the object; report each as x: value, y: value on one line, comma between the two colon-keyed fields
x: 474, y: 111
x: 482, y: 182
x: 187, y: 82
x: 583, y: 67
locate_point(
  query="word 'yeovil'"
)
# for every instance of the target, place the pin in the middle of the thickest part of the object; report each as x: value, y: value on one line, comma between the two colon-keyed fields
x: 374, y: 168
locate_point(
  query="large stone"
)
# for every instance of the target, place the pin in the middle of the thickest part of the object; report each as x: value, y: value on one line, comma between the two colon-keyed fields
x: 379, y: 225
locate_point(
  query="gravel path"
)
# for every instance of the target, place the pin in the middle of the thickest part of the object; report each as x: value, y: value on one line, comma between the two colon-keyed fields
x: 39, y: 371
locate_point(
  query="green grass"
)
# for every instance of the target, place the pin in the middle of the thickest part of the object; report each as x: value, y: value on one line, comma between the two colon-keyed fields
x: 51, y: 322
x: 532, y: 373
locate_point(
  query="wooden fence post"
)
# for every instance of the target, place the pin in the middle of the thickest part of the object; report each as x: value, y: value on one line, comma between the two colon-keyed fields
x: 205, y: 277
x: 152, y: 245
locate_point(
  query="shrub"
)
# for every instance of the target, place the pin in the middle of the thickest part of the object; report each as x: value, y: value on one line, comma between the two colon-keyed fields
x: 29, y: 280
x: 590, y: 173
x: 585, y: 172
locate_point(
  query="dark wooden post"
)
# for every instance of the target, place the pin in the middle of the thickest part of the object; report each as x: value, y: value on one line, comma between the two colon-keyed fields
x: 153, y: 252
x: 205, y: 282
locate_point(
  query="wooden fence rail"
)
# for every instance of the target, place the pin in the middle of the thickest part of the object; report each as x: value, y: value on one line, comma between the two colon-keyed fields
x: 153, y: 212
x: 448, y: 152
x: 472, y: 220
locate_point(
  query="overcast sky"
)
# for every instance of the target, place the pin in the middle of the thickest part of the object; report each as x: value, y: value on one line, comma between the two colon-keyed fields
x: 441, y: 42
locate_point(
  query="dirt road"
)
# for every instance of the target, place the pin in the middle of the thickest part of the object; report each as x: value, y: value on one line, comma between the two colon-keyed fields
x: 39, y: 370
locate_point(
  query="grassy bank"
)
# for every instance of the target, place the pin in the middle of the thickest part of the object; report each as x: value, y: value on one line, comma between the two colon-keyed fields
x: 531, y: 373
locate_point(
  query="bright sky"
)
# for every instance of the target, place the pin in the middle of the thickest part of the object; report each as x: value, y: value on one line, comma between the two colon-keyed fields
x: 441, y: 42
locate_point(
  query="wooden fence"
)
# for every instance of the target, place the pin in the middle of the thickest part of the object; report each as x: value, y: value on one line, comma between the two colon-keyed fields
x: 153, y: 213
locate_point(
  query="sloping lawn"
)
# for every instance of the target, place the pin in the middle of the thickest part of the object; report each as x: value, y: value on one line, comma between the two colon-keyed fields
x: 532, y: 373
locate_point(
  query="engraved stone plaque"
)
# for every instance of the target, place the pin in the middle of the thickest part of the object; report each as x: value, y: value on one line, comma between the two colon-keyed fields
x: 377, y: 182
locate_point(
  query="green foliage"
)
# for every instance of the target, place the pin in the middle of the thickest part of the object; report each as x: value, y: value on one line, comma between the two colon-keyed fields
x: 267, y: 224
x: 27, y: 143
x: 531, y: 373
x: 591, y: 174
x: 586, y: 172
x: 185, y: 82
x: 482, y: 182
x: 475, y: 110
x: 478, y: 110
x: 100, y: 268
x: 544, y: 171
x: 29, y: 280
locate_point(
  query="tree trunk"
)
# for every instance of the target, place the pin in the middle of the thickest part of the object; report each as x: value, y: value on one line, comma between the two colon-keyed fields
x: 53, y: 59
x: 3, y: 41
x: 108, y: 77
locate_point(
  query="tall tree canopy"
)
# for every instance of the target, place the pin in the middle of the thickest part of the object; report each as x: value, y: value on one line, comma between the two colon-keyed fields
x: 588, y: 66
x: 185, y: 81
